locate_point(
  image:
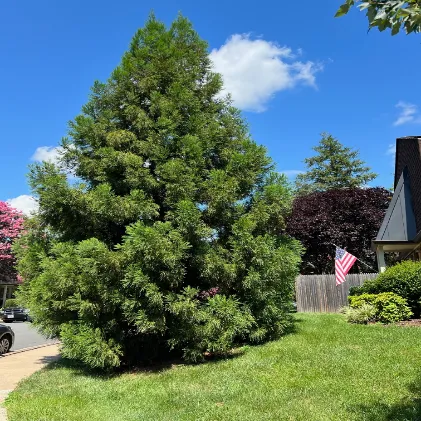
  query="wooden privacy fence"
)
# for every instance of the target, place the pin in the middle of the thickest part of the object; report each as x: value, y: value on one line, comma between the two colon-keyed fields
x: 318, y: 293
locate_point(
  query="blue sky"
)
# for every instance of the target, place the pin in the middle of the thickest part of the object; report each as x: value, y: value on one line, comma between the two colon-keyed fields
x: 295, y: 72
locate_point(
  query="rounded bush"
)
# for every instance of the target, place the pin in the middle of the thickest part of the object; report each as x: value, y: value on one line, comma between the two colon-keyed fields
x: 389, y: 308
x: 362, y: 315
x: 404, y: 279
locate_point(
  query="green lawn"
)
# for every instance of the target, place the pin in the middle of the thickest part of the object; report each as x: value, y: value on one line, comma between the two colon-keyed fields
x: 328, y: 370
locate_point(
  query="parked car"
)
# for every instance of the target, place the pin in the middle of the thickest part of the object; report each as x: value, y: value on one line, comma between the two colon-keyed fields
x: 15, y: 314
x: 28, y: 315
x: 7, y: 337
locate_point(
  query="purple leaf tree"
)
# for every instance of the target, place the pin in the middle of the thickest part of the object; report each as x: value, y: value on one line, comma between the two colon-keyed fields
x: 349, y: 218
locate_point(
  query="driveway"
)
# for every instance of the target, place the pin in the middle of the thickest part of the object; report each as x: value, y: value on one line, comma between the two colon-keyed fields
x: 26, y: 336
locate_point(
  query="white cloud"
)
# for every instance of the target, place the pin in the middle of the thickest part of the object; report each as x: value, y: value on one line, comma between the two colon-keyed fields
x: 408, y: 114
x: 292, y: 173
x: 253, y: 70
x: 53, y: 154
x: 47, y: 153
x: 25, y: 203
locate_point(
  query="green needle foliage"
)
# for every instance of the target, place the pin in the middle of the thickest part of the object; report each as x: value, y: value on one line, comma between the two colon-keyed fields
x: 172, y: 238
x: 334, y: 167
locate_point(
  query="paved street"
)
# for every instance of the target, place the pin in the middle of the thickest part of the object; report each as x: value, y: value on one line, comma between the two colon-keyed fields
x: 26, y: 336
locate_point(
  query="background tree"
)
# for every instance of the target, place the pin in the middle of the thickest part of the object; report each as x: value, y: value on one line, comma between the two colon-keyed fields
x: 382, y: 14
x: 335, y: 166
x: 11, y: 224
x: 173, y: 239
x: 349, y: 218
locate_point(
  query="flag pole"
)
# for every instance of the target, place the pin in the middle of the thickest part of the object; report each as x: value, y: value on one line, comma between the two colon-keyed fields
x: 356, y: 258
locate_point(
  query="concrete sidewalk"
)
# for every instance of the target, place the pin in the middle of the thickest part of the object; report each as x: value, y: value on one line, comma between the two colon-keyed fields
x: 14, y: 368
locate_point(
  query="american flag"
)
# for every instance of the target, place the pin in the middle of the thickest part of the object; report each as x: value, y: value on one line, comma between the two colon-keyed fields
x: 343, y: 263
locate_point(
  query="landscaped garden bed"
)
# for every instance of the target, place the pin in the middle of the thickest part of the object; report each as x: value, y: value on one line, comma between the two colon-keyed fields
x: 328, y: 370
x: 411, y: 322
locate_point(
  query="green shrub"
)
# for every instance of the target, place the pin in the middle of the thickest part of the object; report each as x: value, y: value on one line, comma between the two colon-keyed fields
x: 213, y: 326
x: 364, y: 314
x: 11, y: 302
x: 356, y: 301
x: 404, y: 279
x: 389, y: 307
x: 356, y: 290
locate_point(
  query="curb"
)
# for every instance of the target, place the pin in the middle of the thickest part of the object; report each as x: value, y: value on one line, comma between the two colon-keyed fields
x: 18, y: 351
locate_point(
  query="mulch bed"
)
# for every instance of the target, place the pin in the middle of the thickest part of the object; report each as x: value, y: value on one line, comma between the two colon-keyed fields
x: 411, y: 322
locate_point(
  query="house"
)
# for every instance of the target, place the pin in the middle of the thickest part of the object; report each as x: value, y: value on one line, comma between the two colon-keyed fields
x: 8, y: 284
x: 400, y: 231
x: 7, y: 288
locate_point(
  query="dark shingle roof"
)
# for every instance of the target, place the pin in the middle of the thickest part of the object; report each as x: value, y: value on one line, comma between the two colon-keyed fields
x: 408, y: 155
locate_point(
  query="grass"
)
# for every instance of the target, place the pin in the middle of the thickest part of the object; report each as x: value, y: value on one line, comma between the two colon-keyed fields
x: 328, y: 370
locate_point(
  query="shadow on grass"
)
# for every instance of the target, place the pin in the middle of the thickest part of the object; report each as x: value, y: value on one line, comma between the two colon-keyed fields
x: 164, y: 364
x: 48, y: 360
x: 296, y: 318
x: 409, y: 409
x: 80, y: 369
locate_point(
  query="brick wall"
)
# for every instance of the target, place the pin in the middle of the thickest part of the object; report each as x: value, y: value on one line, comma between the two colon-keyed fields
x: 408, y: 154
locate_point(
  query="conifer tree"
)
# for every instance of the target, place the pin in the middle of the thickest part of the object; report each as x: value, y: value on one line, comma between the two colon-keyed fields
x: 172, y: 239
x: 334, y: 167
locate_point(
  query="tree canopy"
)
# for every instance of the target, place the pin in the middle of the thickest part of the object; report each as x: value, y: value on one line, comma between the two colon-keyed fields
x: 335, y: 166
x: 173, y: 238
x: 349, y: 218
x: 11, y: 224
x: 395, y: 15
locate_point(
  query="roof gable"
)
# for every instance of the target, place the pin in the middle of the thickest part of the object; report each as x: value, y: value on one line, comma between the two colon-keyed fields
x: 408, y: 155
x: 399, y: 222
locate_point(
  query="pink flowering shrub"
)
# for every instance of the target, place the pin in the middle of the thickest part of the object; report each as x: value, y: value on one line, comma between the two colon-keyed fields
x: 11, y: 226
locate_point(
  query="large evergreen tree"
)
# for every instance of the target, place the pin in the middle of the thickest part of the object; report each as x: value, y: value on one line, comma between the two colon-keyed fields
x: 335, y: 166
x: 173, y: 238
